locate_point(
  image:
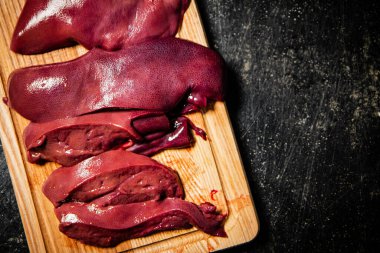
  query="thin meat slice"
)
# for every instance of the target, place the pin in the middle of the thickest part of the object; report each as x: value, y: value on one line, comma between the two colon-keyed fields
x: 69, y: 141
x: 108, y: 226
x: 46, y: 25
x: 163, y: 75
x: 130, y: 177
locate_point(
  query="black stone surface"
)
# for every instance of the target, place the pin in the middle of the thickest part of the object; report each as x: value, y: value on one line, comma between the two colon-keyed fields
x: 304, y: 98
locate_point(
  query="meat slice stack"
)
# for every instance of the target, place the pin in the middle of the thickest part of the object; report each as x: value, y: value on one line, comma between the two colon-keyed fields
x: 74, y: 103
x: 120, y: 195
x: 127, y: 95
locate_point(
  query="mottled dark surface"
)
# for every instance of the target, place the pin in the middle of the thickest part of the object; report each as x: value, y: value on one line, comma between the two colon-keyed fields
x: 304, y: 98
x: 12, y: 237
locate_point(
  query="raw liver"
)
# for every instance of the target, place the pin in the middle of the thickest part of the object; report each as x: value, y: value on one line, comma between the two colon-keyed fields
x: 69, y: 141
x: 126, y: 177
x: 108, y: 226
x: 46, y: 25
x: 180, y: 137
x: 163, y: 75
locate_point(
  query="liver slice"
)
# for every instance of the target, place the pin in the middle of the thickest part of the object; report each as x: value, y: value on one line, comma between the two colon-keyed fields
x: 108, y: 226
x: 69, y: 141
x: 126, y: 177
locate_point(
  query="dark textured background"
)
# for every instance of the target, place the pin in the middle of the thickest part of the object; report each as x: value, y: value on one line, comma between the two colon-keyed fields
x: 304, y: 97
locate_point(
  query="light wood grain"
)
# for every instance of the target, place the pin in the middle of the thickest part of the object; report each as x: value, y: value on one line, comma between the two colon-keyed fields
x: 209, y: 165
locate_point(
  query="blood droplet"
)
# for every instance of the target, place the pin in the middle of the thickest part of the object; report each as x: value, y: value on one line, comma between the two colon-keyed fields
x: 212, y: 193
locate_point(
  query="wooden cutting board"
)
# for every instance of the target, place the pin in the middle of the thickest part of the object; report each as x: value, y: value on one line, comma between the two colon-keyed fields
x: 209, y: 165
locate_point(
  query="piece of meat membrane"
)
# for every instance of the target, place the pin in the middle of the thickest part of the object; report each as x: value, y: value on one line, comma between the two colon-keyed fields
x: 45, y: 25
x: 178, y: 138
x: 163, y: 75
x: 111, y: 178
x: 108, y: 226
x: 69, y: 141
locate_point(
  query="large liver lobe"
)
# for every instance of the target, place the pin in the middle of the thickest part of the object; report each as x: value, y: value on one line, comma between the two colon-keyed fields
x: 46, y: 25
x: 162, y: 75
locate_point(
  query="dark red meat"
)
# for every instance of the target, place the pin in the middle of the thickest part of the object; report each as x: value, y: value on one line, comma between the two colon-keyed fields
x: 122, y: 176
x: 160, y: 75
x: 178, y: 138
x: 45, y: 25
x: 108, y: 226
x: 69, y: 141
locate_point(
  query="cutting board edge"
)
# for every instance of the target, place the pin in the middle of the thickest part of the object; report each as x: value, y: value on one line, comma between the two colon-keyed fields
x: 32, y: 227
